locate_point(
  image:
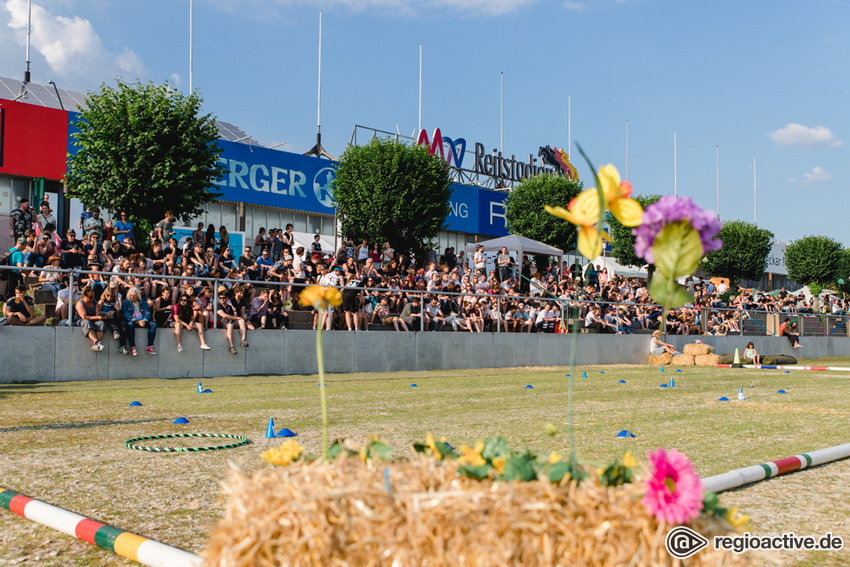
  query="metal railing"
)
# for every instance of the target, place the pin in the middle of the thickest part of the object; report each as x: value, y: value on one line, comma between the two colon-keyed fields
x: 731, y: 320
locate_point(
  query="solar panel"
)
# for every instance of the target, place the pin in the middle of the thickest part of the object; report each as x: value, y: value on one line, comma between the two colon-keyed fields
x: 45, y: 95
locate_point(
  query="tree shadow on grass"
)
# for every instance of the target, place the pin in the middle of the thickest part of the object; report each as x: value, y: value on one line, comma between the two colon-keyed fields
x: 79, y: 425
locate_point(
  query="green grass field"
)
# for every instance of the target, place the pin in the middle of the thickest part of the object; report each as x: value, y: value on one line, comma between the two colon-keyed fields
x: 63, y: 443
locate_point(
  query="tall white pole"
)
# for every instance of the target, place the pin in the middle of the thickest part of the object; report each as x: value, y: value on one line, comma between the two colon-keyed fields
x: 319, y: 105
x: 627, y: 150
x: 569, y: 124
x: 420, y: 88
x: 29, y: 31
x: 502, y: 113
x: 191, y: 65
x: 717, y: 162
x: 675, y: 173
x: 755, y: 201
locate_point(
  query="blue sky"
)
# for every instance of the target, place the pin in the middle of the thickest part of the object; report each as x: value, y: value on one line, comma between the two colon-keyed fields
x: 763, y: 79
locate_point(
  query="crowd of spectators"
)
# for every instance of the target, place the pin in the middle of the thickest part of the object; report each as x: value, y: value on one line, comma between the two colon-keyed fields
x: 159, y: 284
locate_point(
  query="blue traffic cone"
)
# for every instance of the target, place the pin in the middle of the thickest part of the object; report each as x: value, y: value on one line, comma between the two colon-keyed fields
x: 200, y: 388
x: 135, y: 403
x: 529, y: 386
x: 672, y: 383
x: 286, y: 433
x: 662, y: 368
x: 270, y: 429
x: 723, y: 399
x: 180, y: 420
x: 741, y: 397
x: 584, y: 374
x: 625, y: 433
x: 621, y: 382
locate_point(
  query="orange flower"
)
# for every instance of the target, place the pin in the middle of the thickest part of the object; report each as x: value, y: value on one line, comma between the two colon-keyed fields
x: 321, y: 297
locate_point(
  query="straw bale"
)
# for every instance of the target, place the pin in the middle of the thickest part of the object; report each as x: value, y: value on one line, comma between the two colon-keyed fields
x: 707, y: 359
x: 341, y: 513
x: 697, y: 348
x: 683, y: 360
x: 660, y: 359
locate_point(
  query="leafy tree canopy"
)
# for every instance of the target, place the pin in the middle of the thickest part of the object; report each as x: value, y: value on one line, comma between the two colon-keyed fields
x: 390, y: 191
x: 526, y: 217
x: 813, y: 260
x: 623, y: 241
x: 744, y: 253
x: 145, y: 149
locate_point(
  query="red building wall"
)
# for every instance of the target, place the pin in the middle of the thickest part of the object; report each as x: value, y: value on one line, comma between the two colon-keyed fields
x: 34, y: 140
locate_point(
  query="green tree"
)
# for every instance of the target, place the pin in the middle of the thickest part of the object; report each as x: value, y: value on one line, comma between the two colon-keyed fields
x: 814, y: 261
x: 145, y: 149
x: 622, y: 239
x: 390, y: 191
x: 525, y: 216
x: 843, y: 274
x: 744, y: 253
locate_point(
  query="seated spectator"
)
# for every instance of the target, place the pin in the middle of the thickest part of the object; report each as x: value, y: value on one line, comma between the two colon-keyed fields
x: 751, y: 355
x: 51, y: 281
x: 227, y: 318
x: 109, y: 308
x: 163, y: 307
x: 91, y: 320
x: 136, y: 313
x: 123, y: 232
x: 276, y: 315
x: 788, y: 329
x: 204, y: 306
x: 410, y: 315
x: 249, y: 263
x: 657, y: 346
x: 434, y: 319
x: 259, y: 310
x: 64, y: 298
x: 20, y: 310
x: 184, y: 317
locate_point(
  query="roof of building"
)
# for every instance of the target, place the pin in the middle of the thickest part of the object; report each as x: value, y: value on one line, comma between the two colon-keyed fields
x: 45, y: 95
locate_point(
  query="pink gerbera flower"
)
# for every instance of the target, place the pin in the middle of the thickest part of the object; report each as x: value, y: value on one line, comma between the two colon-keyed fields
x: 674, y: 492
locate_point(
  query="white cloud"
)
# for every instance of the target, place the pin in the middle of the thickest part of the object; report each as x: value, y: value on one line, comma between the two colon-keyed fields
x: 70, y: 46
x: 575, y: 6
x: 175, y: 79
x: 798, y: 135
x: 817, y: 175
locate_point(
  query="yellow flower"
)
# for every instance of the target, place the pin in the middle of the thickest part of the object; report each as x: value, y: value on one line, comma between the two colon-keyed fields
x: 499, y: 464
x: 554, y: 458
x: 584, y: 212
x: 629, y: 461
x: 735, y: 520
x: 429, y: 440
x: 472, y: 456
x: 321, y: 297
x: 285, y: 454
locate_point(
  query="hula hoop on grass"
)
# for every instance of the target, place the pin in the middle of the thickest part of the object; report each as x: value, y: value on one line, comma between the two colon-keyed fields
x: 131, y: 443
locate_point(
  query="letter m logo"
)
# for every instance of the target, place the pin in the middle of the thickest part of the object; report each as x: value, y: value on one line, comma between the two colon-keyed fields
x: 436, y: 142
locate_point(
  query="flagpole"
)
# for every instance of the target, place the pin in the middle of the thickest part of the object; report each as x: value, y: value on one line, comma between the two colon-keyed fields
x: 755, y: 201
x: 420, y: 89
x: 569, y: 123
x: 717, y: 162
x: 627, y: 150
x: 191, y: 64
x: 502, y: 113
x: 675, y: 173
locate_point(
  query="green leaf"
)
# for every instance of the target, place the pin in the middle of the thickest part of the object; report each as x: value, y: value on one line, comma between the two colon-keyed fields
x: 519, y: 468
x: 667, y: 292
x: 476, y: 472
x: 380, y: 450
x: 677, y: 249
x: 494, y: 448
x: 557, y: 471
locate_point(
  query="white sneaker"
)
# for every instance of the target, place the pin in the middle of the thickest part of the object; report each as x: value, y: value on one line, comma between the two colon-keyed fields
x: 116, y: 335
x: 94, y: 347
x: 99, y: 346
x: 179, y: 348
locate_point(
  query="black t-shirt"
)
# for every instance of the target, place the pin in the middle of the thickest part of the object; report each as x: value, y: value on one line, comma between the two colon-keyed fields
x: 67, y: 244
x: 16, y: 307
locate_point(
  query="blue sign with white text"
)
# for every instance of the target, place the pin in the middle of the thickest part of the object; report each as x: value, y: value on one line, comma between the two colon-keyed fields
x: 272, y: 178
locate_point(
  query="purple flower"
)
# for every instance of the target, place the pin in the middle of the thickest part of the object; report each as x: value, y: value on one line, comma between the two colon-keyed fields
x: 668, y: 210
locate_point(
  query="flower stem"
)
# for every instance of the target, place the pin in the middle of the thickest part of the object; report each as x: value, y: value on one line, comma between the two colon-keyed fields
x: 320, y: 361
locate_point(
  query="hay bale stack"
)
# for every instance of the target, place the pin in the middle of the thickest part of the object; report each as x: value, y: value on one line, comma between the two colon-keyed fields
x: 697, y: 349
x: 341, y: 513
x: 707, y: 359
x: 660, y: 359
x: 683, y: 360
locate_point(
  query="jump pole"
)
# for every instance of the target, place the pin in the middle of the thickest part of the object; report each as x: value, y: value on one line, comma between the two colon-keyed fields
x: 141, y: 549
x: 779, y: 367
x: 765, y: 471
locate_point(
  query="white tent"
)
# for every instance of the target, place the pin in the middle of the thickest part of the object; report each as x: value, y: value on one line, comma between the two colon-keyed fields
x: 517, y: 246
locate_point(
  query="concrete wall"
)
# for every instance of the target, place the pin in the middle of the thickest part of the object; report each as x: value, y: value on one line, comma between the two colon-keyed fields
x: 48, y: 354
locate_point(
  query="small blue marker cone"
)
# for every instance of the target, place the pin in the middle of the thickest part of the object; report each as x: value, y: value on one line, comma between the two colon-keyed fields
x: 414, y: 386
x: 625, y: 433
x: 621, y: 382
x: 286, y: 433
x: 662, y: 368
x: 529, y: 386
x: 663, y: 386
x: 207, y: 391
x: 270, y: 429
x: 678, y: 370
x: 601, y: 372
x: 584, y: 373
x: 135, y: 403
x: 450, y: 447
x: 741, y: 397
x: 200, y: 388
x: 180, y: 420
x: 567, y: 375
x: 787, y: 372
x: 672, y: 383
x: 723, y: 399
x: 781, y: 392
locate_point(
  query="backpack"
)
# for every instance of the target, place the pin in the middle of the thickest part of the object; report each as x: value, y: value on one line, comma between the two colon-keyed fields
x: 5, y: 260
